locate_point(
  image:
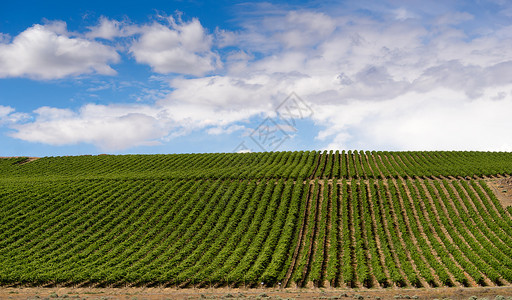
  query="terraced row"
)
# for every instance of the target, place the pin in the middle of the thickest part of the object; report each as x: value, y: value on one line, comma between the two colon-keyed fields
x: 298, y: 165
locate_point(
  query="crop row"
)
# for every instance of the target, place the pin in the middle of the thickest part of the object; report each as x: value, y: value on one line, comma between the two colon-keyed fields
x: 180, y: 232
x: 298, y: 165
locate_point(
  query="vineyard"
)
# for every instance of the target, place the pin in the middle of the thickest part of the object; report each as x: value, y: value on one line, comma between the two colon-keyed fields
x: 341, y: 219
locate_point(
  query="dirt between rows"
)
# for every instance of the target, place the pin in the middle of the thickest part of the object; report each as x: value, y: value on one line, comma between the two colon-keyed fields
x: 242, y: 293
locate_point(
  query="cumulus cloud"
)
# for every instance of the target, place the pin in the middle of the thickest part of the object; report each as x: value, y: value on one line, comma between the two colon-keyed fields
x: 119, y: 127
x: 184, y: 47
x: 372, y: 84
x: 168, y: 46
x: 441, y: 119
x: 108, y: 127
x: 51, y: 52
x: 401, y: 82
x: 292, y: 30
x: 107, y: 29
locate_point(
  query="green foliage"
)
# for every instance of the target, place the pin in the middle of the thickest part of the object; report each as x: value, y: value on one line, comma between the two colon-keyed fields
x: 352, y: 218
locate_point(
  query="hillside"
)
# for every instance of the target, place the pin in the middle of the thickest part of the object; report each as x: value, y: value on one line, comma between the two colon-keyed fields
x: 344, y: 219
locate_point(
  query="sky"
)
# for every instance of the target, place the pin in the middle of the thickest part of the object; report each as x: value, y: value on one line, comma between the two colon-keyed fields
x: 93, y: 77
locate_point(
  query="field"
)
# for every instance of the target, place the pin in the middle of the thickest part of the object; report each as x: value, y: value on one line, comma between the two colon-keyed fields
x: 263, y: 220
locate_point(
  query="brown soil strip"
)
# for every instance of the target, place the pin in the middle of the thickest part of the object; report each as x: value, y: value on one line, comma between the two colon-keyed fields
x: 390, y: 241
x: 330, y: 176
x: 454, y: 208
x: 413, y: 237
x: 502, y: 188
x: 327, y: 235
x: 445, y: 211
x: 392, y: 171
x: 400, y: 233
x: 375, y: 157
x: 407, y: 161
x: 463, y: 224
x: 324, y: 165
x: 344, y: 205
x: 368, y: 254
x: 399, y: 163
x: 383, y: 165
x: 350, y: 161
x: 300, y: 242
x: 29, y: 159
x: 343, y: 166
x: 487, y: 281
x: 373, y: 175
x: 338, y: 281
x: 486, y: 206
x: 466, y: 210
x: 254, y: 293
x: 316, y: 166
x: 353, y: 159
x: 431, y: 228
x: 313, y: 238
x: 378, y: 237
x: 361, y: 162
x: 352, y: 240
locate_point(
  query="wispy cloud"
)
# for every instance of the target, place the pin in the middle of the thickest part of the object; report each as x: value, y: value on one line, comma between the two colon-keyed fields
x: 9, y: 116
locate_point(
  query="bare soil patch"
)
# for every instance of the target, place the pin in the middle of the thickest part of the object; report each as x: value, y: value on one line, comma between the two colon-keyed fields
x: 241, y: 293
x: 502, y: 188
x: 29, y: 159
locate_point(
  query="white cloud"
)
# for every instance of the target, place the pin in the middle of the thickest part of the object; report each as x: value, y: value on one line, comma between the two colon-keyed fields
x: 303, y: 29
x: 224, y: 38
x: 119, y: 127
x: 183, y: 48
x: 110, y: 29
x: 107, y: 29
x: 441, y: 119
x: 372, y: 84
x: 107, y: 127
x: 5, y: 111
x: 397, y: 83
x: 293, y: 30
x: 49, y: 52
x: 9, y: 116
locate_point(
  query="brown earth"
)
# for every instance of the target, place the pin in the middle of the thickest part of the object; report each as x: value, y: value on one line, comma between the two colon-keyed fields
x: 241, y: 293
x: 29, y: 159
x: 502, y: 188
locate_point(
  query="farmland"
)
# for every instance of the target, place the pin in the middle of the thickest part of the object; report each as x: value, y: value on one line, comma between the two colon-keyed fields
x: 349, y: 219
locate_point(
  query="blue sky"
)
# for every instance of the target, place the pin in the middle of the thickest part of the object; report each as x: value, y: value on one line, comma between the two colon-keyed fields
x: 192, y: 76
